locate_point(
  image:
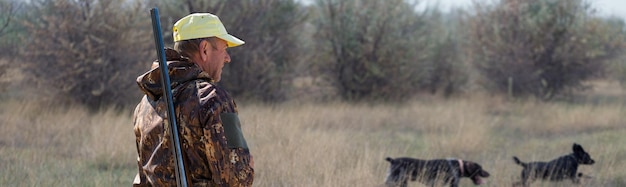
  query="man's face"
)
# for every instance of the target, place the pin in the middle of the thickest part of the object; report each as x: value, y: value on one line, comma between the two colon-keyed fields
x: 214, y: 59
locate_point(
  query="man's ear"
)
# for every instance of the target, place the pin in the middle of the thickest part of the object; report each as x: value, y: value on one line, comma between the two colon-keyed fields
x: 203, y: 49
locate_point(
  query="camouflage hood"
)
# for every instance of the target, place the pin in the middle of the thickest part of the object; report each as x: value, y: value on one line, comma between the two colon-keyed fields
x: 181, y: 70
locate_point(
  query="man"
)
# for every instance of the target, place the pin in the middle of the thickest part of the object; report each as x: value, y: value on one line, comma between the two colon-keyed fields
x: 214, y: 150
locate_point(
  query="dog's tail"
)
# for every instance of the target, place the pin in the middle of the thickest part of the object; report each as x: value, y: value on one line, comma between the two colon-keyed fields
x: 517, y: 161
x: 389, y: 159
x: 393, y: 161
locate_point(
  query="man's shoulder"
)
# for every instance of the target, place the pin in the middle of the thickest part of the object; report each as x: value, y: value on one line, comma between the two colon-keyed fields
x: 208, y: 90
x: 211, y: 95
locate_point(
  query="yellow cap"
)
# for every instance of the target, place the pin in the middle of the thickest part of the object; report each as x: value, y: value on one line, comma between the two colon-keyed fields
x: 203, y: 25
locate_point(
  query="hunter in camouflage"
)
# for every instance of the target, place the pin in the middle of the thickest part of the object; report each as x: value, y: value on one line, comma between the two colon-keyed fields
x: 209, y: 159
x: 214, y: 150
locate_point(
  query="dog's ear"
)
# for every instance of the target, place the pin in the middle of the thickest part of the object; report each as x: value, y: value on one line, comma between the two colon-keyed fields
x: 484, y: 173
x: 577, y: 148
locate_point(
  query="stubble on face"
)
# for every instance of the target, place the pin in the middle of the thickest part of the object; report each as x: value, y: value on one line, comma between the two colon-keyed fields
x: 216, y: 58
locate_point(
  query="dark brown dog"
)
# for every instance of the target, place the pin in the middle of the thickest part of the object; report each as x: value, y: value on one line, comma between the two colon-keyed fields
x: 432, y: 172
x: 564, y: 167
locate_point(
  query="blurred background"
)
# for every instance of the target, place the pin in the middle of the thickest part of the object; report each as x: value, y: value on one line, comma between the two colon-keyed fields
x: 89, y: 52
x: 473, y: 79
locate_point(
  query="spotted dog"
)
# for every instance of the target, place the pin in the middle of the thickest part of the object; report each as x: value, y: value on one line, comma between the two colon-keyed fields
x: 564, y: 167
x: 432, y: 172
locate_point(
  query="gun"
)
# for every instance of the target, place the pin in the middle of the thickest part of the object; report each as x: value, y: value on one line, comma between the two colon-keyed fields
x: 181, y: 176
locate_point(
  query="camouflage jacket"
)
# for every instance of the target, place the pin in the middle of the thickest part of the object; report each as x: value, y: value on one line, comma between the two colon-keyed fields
x: 211, y: 157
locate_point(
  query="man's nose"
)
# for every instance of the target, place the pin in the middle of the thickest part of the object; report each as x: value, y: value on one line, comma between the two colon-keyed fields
x: 227, y: 58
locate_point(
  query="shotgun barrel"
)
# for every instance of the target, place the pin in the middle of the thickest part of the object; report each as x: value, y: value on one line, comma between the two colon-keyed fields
x: 181, y: 176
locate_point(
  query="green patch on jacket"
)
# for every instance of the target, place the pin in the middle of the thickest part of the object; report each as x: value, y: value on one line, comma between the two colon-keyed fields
x: 232, y: 129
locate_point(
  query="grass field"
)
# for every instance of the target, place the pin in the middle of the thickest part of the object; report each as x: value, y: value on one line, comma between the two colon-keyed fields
x: 329, y: 144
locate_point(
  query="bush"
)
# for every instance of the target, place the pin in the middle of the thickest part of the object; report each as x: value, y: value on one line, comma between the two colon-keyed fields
x: 372, y: 49
x: 617, y: 68
x: 9, y: 12
x: 88, y: 51
x: 445, y: 71
x: 541, y: 48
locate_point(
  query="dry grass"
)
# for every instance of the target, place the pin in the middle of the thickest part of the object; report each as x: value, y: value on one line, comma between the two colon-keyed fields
x: 64, y: 146
x: 330, y: 144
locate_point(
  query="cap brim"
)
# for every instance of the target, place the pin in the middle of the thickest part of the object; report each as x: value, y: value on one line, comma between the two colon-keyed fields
x: 231, y: 40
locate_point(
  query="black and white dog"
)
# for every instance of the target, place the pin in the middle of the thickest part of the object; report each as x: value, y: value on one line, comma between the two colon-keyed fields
x: 564, y: 167
x: 432, y: 172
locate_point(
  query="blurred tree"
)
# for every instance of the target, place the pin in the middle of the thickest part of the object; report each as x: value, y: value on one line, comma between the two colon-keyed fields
x: 263, y: 68
x: 88, y: 51
x: 9, y: 12
x: 617, y: 68
x: 543, y: 48
x: 445, y: 71
x: 373, y: 49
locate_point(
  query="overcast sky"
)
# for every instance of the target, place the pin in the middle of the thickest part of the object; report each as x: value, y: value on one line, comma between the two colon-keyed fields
x: 604, y: 7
